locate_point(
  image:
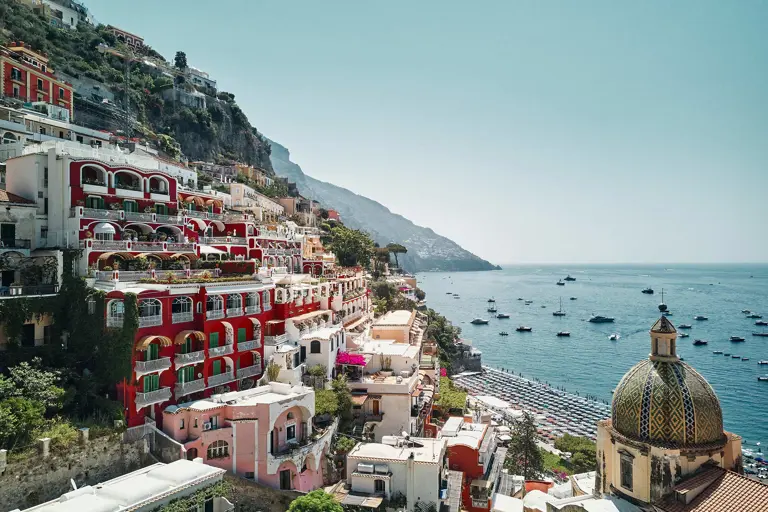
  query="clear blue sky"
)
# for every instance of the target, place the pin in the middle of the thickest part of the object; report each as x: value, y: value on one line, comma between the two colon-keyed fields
x: 570, y: 131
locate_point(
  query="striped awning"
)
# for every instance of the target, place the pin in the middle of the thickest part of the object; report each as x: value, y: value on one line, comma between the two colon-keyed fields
x: 189, y: 255
x: 183, y: 335
x: 160, y: 255
x: 214, y: 202
x: 123, y: 255
x: 144, y: 342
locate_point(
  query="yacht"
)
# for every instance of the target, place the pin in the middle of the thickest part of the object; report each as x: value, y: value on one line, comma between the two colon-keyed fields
x: 519, y: 298
x: 717, y: 351
x: 745, y: 359
x: 736, y: 339
x: 746, y: 311
x: 491, y: 300
x: 683, y: 334
x: 560, y: 282
x: 599, y: 319
x: 449, y: 293
x: 569, y: 278
x: 502, y: 315
x: 503, y: 333
x: 700, y: 318
x: 523, y: 328
x: 455, y: 296
x: 754, y: 315
x: 726, y: 354
x: 528, y: 302
x: 560, y: 311
x: 735, y: 356
x: 763, y: 378
x: 761, y: 322
x: 566, y: 333
x: 763, y: 334
x: 648, y: 291
x: 479, y: 321
x: 573, y: 298
x: 614, y: 337
x: 762, y: 362
x: 700, y: 342
x: 684, y: 326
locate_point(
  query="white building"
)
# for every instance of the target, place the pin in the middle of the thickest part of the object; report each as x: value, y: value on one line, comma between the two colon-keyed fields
x: 414, y: 469
x: 200, y: 78
x: 143, y: 490
x: 245, y: 198
x: 69, y: 12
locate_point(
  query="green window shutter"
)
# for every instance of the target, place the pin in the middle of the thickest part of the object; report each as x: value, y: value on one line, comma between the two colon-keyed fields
x: 180, y: 373
x: 161, y: 209
x: 190, y: 373
x: 191, y: 207
x: 151, y: 383
x: 152, y: 352
x: 217, y: 367
x: 186, y: 347
x: 213, y: 340
x: 237, y: 364
x: 241, y: 336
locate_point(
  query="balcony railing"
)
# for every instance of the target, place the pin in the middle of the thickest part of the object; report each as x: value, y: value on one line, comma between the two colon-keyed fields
x: 114, y: 321
x: 234, y: 312
x: 244, y: 346
x: 139, y: 216
x: 275, y: 340
x: 94, y: 213
x: 189, y: 358
x: 180, y: 247
x: 152, y: 397
x: 148, y: 246
x: 10, y: 243
x: 252, y: 310
x: 222, y: 378
x: 223, y: 350
x: 186, y: 316
x: 185, y: 388
x: 168, y: 219
x: 214, y: 314
x: 215, y: 216
x: 196, y: 214
x: 150, y: 321
x: 155, y: 365
x: 249, y: 371
x: 19, y: 290
x: 232, y: 240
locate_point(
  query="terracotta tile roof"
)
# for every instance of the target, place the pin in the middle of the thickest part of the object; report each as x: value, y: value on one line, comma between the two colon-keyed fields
x: 724, y: 491
x: 8, y: 197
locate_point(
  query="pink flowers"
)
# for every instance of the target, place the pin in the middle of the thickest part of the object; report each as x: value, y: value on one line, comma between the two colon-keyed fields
x: 350, y: 359
x: 443, y: 372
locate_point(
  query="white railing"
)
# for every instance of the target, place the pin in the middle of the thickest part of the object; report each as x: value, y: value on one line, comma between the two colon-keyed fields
x: 94, y: 213
x: 232, y: 240
x: 223, y: 350
x: 168, y: 219
x: 106, y: 245
x: 150, y: 321
x: 275, y: 340
x: 249, y: 371
x: 148, y: 246
x: 181, y: 247
x: 234, y: 312
x: 185, y: 388
x: 189, y: 358
x: 222, y: 378
x: 252, y: 310
x: 134, y: 275
x: 152, y: 397
x: 140, y: 216
x: 196, y: 214
x: 247, y: 345
x: 216, y: 216
x: 267, y: 307
x: 214, y: 314
x: 186, y: 316
x: 155, y: 365
x: 114, y: 321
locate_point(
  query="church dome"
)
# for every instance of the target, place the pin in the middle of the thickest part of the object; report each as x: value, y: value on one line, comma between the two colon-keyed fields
x: 663, y: 401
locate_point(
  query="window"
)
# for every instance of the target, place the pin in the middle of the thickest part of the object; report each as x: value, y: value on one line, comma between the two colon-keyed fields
x: 91, y: 306
x: 218, y: 450
x: 378, y: 485
x: 217, y: 367
x: 252, y: 302
x: 267, y: 305
x: 289, y: 416
x: 195, y: 425
x: 44, y: 232
x: 42, y: 130
x: 314, y: 347
x: 45, y: 176
x: 241, y: 335
x: 61, y: 93
x: 290, y: 433
x: 79, y: 139
x: 214, y: 303
x: 151, y: 383
x: 115, y: 313
x: 16, y: 75
x: 249, y: 474
x: 181, y: 424
x: 39, y: 84
x: 150, y: 307
x: 213, y: 340
x: 626, y: 471
x: 234, y: 301
x: 45, y: 206
x: 181, y: 309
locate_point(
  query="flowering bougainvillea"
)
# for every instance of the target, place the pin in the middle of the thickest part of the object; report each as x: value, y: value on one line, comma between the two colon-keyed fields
x: 443, y: 372
x: 352, y: 359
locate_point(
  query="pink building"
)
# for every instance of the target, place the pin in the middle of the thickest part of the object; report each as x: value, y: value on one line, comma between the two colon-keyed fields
x: 265, y: 434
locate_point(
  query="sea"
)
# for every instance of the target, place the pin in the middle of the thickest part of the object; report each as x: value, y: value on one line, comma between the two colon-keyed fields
x: 588, y: 362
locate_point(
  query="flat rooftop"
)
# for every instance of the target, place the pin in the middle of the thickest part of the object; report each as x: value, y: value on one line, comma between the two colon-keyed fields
x: 268, y: 394
x: 424, y: 450
x: 462, y: 433
x: 389, y: 348
x: 401, y: 317
x: 323, y: 333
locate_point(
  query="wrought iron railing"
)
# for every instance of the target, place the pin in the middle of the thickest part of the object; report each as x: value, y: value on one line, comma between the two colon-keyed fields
x: 185, y: 388
x: 150, y: 321
x: 222, y: 378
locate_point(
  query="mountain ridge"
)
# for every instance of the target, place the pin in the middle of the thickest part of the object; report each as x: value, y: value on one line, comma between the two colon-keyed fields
x: 427, y: 250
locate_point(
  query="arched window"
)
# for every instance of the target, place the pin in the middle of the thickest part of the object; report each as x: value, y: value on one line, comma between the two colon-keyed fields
x: 267, y: 305
x: 9, y: 138
x: 314, y: 347
x: 115, y: 313
x: 214, y: 306
x: 218, y: 449
x: 181, y: 310
x: 234, y: 301
x: 252, y: 303
x: 150, y: 312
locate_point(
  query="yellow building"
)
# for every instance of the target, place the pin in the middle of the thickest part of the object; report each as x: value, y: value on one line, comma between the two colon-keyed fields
x: 666, y: 424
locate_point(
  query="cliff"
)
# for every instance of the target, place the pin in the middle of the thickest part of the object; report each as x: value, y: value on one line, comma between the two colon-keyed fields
x: 426, y: 249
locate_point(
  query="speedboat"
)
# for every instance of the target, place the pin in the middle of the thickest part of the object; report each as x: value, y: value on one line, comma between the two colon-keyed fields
x: 560, y: 282
x: 502, y: 315
x: 573, y: 298
x: 614, y: 337
x: 754, y: 315
x: 491, y: 300
x: 717, y: 351
x: 684, y: 326
x: 763, y: 334
x: 762, y: 362
x: 479, y: 321
x: 736, y: 338
x: 745, y: 359
x: 523, y: 328
x: 735, y: 356
x: 648, y: 291
x: 567, y: 333
x: 492, y: 309
x: 700, y: 342
x: 569, y: 278
x: 700, y: 317
x: 726, y: 354
x: 543, y: 306
x: 683, y: 335
x: 528, y: 302
x: 761, y: 322
x: 503, y: 333
x: 519, y: 298
x: 763, y: 378
x: 599, y: 319
x: 448, y: 293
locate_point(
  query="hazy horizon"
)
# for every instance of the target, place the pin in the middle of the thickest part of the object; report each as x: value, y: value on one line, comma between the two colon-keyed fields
x: 526, y: 131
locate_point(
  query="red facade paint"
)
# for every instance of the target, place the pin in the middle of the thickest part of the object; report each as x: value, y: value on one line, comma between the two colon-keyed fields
x: 467, y: 460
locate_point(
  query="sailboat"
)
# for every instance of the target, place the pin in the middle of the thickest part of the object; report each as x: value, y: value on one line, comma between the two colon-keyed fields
x: 560, y: 311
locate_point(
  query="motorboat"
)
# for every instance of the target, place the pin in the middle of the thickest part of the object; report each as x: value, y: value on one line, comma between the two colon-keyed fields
x: 761, y: 322
x: 492, y: 309
x: 519, y: 298
x: 503, y: 333
x: 683, y: 335
x: 528, y: 302
x: 449, y: 293
x: 726, y: 353
x: 736, y: 339
x: 560, y: 311
x: 599, y: 319
x: 524, y: 328
x: 563, y: 333
x: 735, y: 356
x: 763, y: 378
x: 573, y: 298
x: 479, y: 321
x: 560, y: 282
x: 491, y: 300
x: 666, y: 313
x: 754, y: 315
x: 717, y: 351
x: 745, y: 359
x: 763, y: 334
x: 569, y: 278
x: 543, y: 306
x: 614, y: 337
x: 746, y: 311
x: 502, y: 315
x: 762, y: 362
x: 700, y: 318
x: 456, y: 297
x: 648, y: 291
x: 684, y: 326
x: 700, y: 342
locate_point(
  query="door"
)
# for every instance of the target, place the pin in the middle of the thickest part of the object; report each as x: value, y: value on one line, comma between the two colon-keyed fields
x: 375, y: 407
x: 241, y: 335
x: 151, y: 383
x: 153, y: 352
x: 94, y: 202
x: 161, y: 209
x: 285, y: 479
x: 28, y: 335
x: 217, y: 367
x: 130, y: 206
x: 8, y: 234
x: 213, y: 340
x: 303, y: 354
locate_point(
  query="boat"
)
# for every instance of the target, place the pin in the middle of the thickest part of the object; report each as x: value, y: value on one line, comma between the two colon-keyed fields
x: 503, y: 333
x: 448, y: 293
x: 666, y: 313
x: 700, y: 318
x: 754, y: 315
x: 648, y: 291
x: 763, y: 334
x: 519, y: 298
x: 614, y: 337
x: 762, y: 362
x: 763, y: 378
x: 717, y: 351
x: 700, y: 342
x: 491, y: 300
x: 560, y: 282
x: 573, y: 298
x: 735, y: 356
x: 745, y: 359
x: 543, y: 306
x: 456, y: 297
x: 726, y: 353
x: 563, y: 333
x: 746, y: 311
x: 599, y: 319
x: 479, y: 321
x: 684, y: 326
x: 736, y: 338
x: 528, y: 302
x: 683, y: 334
x: 492, y: 309
x: 502, y: 315
x: 560, y: 311
x: 523, y: 328
x: 761, y: 322
x: 569, y: 278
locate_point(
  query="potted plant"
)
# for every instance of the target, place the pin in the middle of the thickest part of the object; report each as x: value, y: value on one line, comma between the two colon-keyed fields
x: 80, y: 202
x: 386, y: 365
x: 88, y: 235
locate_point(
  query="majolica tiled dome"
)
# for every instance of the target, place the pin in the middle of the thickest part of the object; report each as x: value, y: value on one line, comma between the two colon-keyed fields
x: 663, y: 401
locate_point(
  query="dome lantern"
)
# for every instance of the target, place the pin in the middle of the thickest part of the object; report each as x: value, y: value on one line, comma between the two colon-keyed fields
x: 663, y: 341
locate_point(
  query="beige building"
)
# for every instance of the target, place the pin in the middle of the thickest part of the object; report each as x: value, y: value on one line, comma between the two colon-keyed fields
x: 395, y: 325
x: 245, y: 198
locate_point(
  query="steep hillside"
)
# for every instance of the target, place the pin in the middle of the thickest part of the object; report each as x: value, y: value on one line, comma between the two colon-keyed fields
x: 426, y: 249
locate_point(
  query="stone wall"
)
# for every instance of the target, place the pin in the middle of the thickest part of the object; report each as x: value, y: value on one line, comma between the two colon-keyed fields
x: 38, y: 479
x: 248, y: 496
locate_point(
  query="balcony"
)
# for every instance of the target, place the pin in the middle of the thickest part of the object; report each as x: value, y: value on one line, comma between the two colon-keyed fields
x: 114, y: 321
x: 95, y: 213
x: 10, y: 244
x: 95, y: 188
x: 107, y: 245
x: 249, y: 371
x: 180, y: 247
x: 157, y: 195
x: 148, y: 246
x: 125, y: 190
x: 216, y: 216
x: 234, y: 312
x: 152, y: 397
x: 186, y: 388
x: 221, y: 351
x: 252, y: 310
x: 222, y: 378
x: 196, y: 214
x: 150, y: 321
x: 155, y: 365
x: 245, y: 346
x: 43, y: 289
x: 214, y: 314
x: 189, y: 358
x: 140, y: 216
x: 275, y: 340
x: 168, y: 219
x: 185, y: 316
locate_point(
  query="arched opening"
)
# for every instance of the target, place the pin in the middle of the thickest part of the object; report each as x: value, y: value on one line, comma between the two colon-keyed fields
x: 218, y: 450
x: 104, y: 231
x: 158, y: 185
x: 9, y: 138
x: 150, y: 312
x: 252, y: 303
x: 169, y: 234
x: 93, y: 175
x: 128, y: 180
x: 314, y: 347
x: 192, y: 454
x: 115, y: 313
x: 181, y: 310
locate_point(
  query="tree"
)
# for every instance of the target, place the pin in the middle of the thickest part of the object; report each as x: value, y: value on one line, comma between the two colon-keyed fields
x: 180, y: 61
x: 345, y: 444
x: 420, y: 294
x: 523, y: 456
x: 396, y: 249
x: 343, y: 396
x: 32, y: 382
x: 315, y: 501
x: 326, y: 402
x: 352, y: 247
x: 582, y: 450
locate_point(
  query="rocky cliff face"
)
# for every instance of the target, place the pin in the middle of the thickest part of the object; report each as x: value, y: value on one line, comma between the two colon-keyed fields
x: 426, y: 249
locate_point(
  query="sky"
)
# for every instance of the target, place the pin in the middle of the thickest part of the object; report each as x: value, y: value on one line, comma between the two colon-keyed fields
x: 526, y: 131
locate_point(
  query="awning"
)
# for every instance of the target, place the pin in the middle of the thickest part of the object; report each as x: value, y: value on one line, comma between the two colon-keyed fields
x: 104, y: 228
x: 160, y: 255
x: 359, y: 399
x: 144, y: 342
x: 183, y: 335
x: 123, y: 255
x: 190, y: 256
x: 207, y: 249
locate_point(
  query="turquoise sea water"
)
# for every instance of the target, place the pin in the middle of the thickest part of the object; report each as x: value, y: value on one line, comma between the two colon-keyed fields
x: 588, y: 362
